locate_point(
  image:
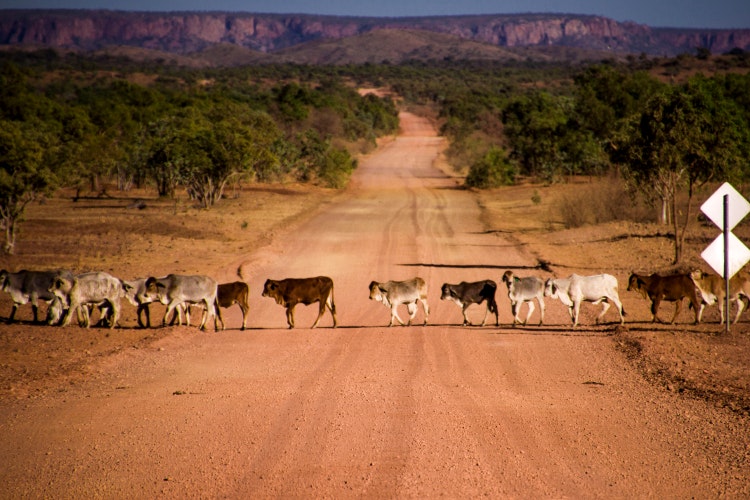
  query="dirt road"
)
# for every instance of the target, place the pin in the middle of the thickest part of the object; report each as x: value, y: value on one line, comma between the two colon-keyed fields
x: 369, y: 411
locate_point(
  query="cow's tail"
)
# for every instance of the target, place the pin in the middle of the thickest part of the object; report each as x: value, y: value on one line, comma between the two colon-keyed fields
x: 241, y: 273
x: 331, y: 302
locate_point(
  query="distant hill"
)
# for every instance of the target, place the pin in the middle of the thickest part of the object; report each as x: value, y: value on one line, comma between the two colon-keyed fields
x: 221, y: 38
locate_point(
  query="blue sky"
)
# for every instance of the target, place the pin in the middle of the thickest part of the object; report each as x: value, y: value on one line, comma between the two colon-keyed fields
x: 674, y: 13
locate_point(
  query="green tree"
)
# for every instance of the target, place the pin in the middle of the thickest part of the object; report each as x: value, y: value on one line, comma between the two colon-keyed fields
x: 492, y: 170
x: 534, y: 125
x: 25, y: 174
x: 688, y: 135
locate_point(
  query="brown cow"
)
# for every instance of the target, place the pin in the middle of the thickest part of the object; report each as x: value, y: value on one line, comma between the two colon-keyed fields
x: 672, y: 288
x: 237, y: 292
x: 290, y: 292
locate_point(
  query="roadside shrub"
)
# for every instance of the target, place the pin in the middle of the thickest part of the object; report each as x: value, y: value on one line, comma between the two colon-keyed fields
x: 492, y: 170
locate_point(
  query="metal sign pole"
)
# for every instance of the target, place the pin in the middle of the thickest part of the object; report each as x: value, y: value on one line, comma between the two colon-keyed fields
x: 726, y: 262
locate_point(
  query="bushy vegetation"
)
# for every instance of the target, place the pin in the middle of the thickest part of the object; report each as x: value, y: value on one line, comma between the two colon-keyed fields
x: 76, y: 121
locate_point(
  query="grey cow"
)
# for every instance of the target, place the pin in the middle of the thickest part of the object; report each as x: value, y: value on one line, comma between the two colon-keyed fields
x: 176, y: 291
x: 82, y: 290
x: 522, y: 290
x: 33, y: 286
x: 394, y: 293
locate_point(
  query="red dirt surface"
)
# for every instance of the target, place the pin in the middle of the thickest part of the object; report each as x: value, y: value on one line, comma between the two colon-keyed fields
x: 362, y: 410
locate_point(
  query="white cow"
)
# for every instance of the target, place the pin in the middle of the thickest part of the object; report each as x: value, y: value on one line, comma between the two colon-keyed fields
x: 571, y: 291
x: 80, y: 291
x: 178, y: 291
x: 522, y: 290
x: 394, y: 293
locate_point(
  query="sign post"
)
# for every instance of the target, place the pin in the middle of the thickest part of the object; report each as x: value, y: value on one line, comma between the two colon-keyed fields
x: 727, y: 254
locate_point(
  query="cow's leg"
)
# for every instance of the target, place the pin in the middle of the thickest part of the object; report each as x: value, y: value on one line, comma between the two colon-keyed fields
x: 210, y: 308
x: 425, y: 308
x: 531, y: 310
x: 492, y: 307
x: 115, y: 313
x: 219, y: 319
x: 290, y: 315
x: 35, y: 310
x: 144, y: 309
x: 605, y: 308
x: 321, y: 311
x: 13, y: 313
x: 721, y: 311
x: 69, y: 314
x: 411, y: 307
x: 515, y: 309
x: 677, y: 309
x: 186, y: 309
x: 654, y: 308
x: 171, y: 308
x: 466, y: 317
x: 618, y: 305
x: 245, y: 310
x: 394, y: 314
x: 576, y: 312
x: 541, y: 309
x: 84, y: 315
x: 332, y: 308
x: 740, y: 308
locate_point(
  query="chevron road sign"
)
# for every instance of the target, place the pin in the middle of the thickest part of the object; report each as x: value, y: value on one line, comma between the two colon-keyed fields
x: 727, y: 254
x: 737, y: 254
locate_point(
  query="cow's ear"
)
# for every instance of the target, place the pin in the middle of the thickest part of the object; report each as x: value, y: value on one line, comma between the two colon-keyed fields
x: 554, y: 288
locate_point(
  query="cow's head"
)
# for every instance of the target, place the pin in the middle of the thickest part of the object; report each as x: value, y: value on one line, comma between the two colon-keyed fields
x: 376, y: 293
x: 272, y: 289
x: 3, y: 279
x: 508, y: 278
x: 634, y: 282
x: 447, y: 292
x: 61, y: 287
x: 550, y: 288
x: 697, y: 274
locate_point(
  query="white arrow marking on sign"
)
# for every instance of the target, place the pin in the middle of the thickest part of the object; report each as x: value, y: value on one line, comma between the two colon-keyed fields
x: 713, y: 207
x: 739, y: 254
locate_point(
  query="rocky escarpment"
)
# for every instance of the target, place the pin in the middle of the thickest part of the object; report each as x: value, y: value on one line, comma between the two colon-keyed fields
x: 185, y: 32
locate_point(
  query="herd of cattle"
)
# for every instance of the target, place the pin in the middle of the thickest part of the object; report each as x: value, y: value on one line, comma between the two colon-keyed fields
x: 68, y: 294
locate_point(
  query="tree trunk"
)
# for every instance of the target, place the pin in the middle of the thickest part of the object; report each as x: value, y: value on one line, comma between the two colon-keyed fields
x: 663, y: 217
x: 10, y: 235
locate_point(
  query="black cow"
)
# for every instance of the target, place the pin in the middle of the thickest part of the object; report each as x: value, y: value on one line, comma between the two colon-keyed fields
x: 292, y: 291
x: 465, y: 294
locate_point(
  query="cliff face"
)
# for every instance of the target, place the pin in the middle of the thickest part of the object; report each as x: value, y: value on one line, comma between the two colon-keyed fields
x: 185, y: 32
